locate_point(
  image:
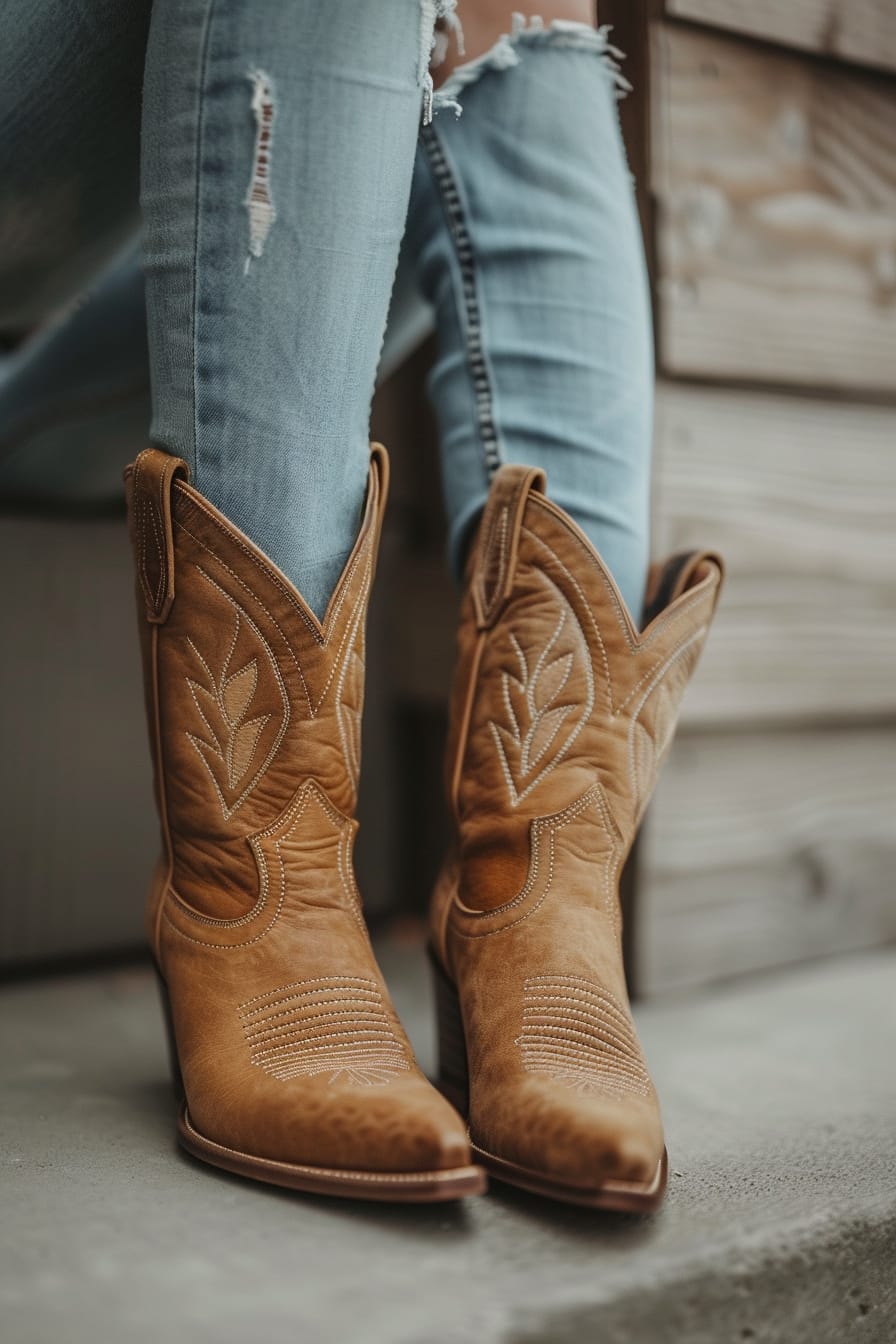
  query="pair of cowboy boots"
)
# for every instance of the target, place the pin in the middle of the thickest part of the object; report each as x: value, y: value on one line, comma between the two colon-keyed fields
x: 291, y: 1063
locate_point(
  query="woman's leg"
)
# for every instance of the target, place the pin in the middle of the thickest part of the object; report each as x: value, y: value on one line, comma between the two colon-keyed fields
x: 524, y: 229
x: 278, y: 147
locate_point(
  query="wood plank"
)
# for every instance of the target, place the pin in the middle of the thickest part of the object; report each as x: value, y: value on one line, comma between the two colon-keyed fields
x: 798, y: 494
x: 851, y: 30
x: 764, y: 849
x: 775, y: 180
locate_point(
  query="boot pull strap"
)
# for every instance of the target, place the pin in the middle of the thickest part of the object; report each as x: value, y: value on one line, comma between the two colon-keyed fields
x: 499, y: 536
x: 148, y: 484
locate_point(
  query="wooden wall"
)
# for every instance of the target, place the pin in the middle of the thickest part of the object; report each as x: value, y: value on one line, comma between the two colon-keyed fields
x: 769, y: 143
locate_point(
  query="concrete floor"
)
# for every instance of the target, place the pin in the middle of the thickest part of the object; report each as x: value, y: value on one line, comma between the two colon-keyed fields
x: 780, y: 1100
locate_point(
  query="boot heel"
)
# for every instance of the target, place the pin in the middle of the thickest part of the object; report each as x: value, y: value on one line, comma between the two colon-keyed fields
x: 453, y: 1075
x: 173, y: 1061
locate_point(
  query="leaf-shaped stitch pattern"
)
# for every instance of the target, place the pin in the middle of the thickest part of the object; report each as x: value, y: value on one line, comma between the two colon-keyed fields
x: 547, y: 697
x: 222, y: 701
x: 552, y: 680
x: 238, y: 691
x: 242, y: 749
x: 545, y: 730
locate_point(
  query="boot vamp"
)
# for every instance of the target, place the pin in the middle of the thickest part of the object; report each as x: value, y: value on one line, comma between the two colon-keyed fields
x: 558, y: 1080
x: 290, y: 1049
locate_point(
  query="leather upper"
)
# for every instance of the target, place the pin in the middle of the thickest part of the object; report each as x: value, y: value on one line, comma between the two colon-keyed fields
x: 561, y: 714
x: 288, y: 1042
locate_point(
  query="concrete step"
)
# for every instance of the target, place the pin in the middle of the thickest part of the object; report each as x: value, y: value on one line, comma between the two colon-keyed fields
x: 780, y: 1225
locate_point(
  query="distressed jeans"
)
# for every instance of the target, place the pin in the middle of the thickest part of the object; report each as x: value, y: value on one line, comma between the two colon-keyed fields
x: 286, y: 152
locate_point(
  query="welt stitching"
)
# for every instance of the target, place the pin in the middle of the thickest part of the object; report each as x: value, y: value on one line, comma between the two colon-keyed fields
x: 463, y: 249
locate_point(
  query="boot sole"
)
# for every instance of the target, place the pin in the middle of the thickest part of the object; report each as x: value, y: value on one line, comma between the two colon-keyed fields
x: 614, y: 1196
x: 403, y: 1187
x: 399, y: 1187
x: 453, y: 1083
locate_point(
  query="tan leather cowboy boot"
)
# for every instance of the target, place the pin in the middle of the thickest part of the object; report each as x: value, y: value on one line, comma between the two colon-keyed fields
x: 294, y: 1066
x: 561, y: 713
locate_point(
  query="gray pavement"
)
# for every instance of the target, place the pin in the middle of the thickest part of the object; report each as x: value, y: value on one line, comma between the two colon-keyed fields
x: 780, y: 1101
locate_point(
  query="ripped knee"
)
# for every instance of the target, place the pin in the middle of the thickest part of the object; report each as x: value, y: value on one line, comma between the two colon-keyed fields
x: 507, y: 53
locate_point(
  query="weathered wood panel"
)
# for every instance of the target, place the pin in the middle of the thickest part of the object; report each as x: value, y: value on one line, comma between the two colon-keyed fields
x: 850, y: 30
x: 765, y: 849
x: 775, y: 179
x: 799, y: 495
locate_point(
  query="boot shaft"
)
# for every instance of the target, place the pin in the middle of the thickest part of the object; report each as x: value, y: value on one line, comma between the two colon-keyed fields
x: 249, y: 697
x: 558, y: 695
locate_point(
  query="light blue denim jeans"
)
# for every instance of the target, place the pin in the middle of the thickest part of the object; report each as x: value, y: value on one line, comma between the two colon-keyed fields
x: 286, y: 149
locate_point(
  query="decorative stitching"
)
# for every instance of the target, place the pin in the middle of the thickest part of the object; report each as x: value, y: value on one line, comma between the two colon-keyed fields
x: 636, y: 644
x: 659, y: 680
x: 356, y: 1044
x: 552, y: 825
x: 636, y: 647
x: 577, y: 1033
x: 321, y: 635
x: 313, y: 706
x: 216, y: 692
x: 498, y: 521
x: 310, y: 789
x: 512, y: 737
x: 347, y: 877
x: 242, y: 583
x: 305, y: 985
